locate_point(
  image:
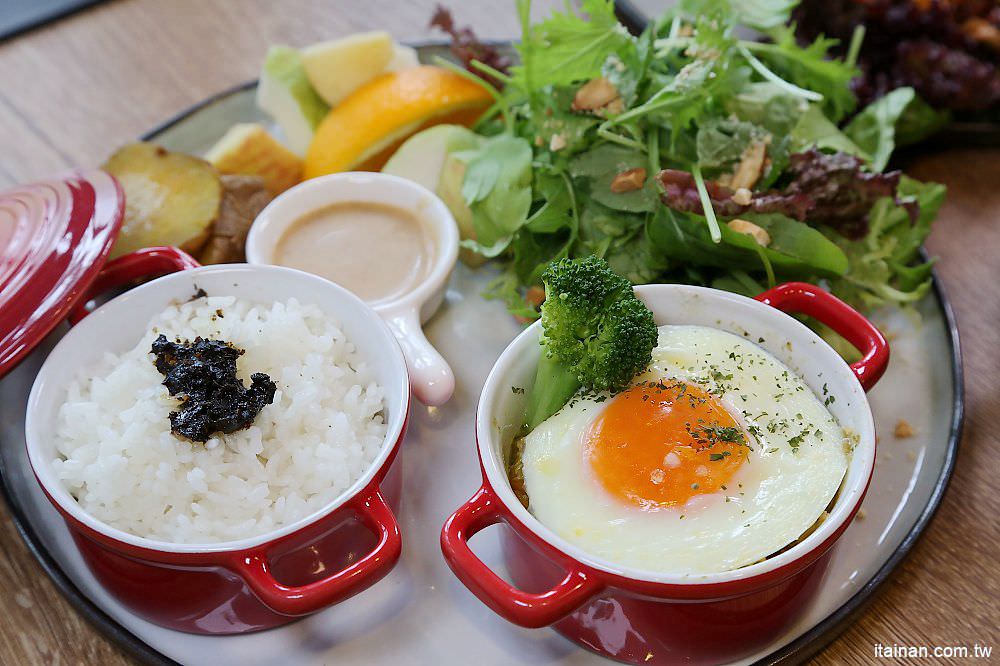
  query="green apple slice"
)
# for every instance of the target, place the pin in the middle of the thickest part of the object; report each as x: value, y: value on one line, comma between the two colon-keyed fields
x: 421, y: 157
x: 285, y: 94
x: 428, y: 158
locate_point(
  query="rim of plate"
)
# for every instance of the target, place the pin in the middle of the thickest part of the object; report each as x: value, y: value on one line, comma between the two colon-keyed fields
x: 800, y: 649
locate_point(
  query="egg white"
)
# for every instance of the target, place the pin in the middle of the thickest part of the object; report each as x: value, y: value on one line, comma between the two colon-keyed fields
x: 799, y: 458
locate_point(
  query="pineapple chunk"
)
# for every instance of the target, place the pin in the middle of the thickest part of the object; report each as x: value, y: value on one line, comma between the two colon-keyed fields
x: 339, y: 67
x: 248, y: 150
x: 170, y: 198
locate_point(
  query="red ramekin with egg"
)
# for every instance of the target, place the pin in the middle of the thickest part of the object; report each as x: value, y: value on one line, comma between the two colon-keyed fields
x: 639, y: 616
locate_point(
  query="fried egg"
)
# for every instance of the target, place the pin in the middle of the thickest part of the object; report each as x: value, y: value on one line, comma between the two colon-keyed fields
x: 715, y: 458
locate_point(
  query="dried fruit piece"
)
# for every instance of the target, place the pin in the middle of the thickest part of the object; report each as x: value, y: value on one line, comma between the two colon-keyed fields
x: 170, y: 198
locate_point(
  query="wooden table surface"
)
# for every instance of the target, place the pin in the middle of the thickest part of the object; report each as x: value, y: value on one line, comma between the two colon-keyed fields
x: 74, y: 90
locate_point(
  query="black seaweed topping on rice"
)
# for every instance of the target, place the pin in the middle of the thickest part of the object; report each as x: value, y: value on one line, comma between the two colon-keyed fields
x: 213, y: 399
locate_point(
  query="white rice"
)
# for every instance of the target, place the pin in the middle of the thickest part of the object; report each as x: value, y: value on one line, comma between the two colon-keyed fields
x: 324, y: 429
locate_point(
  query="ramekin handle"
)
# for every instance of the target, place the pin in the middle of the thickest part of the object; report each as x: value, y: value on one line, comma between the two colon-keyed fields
x: 147, y: 262
x: 373, y: 511
x: 431, y: 377
x: 826, y: 308
x: 521, y: 608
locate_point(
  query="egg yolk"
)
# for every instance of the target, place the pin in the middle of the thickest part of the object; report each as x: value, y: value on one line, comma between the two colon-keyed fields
x: 657, y: 445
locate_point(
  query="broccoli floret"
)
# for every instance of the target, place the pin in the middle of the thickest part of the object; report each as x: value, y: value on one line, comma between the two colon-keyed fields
x: 595, y: 334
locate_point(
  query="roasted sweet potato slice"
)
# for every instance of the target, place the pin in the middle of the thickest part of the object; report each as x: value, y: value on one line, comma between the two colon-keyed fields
x: 170, y: 198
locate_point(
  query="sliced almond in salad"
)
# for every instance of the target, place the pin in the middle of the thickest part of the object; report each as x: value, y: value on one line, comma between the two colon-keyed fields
x: 629, y: 181
x: 751, y: 166
x: 742, y: 196
x: 594, y: 94
x: 745, y: 227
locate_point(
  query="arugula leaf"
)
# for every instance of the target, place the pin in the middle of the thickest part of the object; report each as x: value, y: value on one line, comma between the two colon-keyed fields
x: 739, y: 282
x: 928, y: 197
x: 566, y: 47
x: 918, y: 121
x: 694, y: 96
x: 601, y: 164
x: 796, y: 249
x: 721, y: 142
x: 757, y: 14
x: 708, y: 71
x: 810, y: 68
x: 555, y: 118
x: 531, y: 253
x: 506, y: 287
x: 799, y: 242
x: 620, y: 238
x: 768, y: 105
x: 634, y: 257
x: 881, y: 269
x: 555, y: 204
x: 763, y: 14
x: 895, y: 118
x: 874, y: 128
x: 678, y: 101
x: 814, y: 130
x: 497, y: 189
x: 600, y: 223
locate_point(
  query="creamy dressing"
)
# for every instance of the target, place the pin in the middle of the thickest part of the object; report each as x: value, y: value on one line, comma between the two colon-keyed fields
x: 379, y: 252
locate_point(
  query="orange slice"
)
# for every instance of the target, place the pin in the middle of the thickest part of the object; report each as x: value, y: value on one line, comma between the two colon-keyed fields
x: 363, y: 131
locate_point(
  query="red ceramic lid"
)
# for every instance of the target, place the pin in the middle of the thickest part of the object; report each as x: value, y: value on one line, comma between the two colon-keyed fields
x: 54, y: 238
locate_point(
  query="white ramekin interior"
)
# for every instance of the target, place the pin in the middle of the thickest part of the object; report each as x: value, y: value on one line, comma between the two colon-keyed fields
x: 117, y: 325
x: 501, y: 410
x: 364, y: 187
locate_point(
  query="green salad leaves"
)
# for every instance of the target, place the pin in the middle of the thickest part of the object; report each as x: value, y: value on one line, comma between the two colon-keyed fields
x: 693, y: 153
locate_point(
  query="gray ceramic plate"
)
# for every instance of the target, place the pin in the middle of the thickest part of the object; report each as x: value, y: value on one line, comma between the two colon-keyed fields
x: 421, y: 613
